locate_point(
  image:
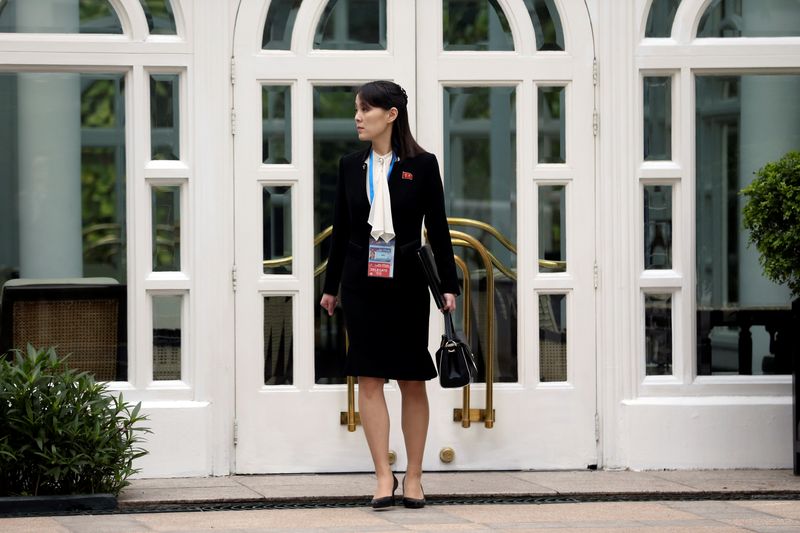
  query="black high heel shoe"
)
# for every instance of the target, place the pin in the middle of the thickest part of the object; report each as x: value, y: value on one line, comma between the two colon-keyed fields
x: 413, y: 503
x: 387, y: 502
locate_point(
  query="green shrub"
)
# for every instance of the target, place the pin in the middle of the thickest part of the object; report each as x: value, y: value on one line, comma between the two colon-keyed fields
x: 62, y: 432
x: 772, y: 214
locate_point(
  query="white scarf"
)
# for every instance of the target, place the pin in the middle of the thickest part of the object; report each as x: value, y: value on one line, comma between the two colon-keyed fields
x: 380, y: 213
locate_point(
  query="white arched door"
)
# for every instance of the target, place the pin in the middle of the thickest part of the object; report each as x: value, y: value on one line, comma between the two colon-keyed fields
x: 502, y: 93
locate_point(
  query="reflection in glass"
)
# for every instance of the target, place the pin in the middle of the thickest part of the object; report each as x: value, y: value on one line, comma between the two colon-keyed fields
x: 552, y: 125
x: 334, y: 136
x: 276, y: 124
x: 657, y: 227
x: 475, y: 25
x: 278, y: 340
x: 166, y: 212
x: 160, y: 19
x: 552, y: 337
x: 658, y: 334
x: 660, y: 18
x: 751, y: 18
x: 58, y: 16
x: 657, y: 118
x: 480, y: 184
x: 165, y: 116
x: 277, y: 229
x: 546, y: 24
x: 167, y: 337
x: 63, y: 201
x: 552, y: 226
x: 352, y: 25
x: 742, y: 122
x: 280, y: 24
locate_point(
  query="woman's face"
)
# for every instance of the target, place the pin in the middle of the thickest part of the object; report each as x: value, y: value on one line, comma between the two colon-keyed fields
x: 373, y: 122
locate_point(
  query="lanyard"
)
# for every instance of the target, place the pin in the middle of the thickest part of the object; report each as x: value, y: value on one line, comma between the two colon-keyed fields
x: 371, y: 166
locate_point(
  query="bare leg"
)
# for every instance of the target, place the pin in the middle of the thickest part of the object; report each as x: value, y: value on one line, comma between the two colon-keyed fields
x: 375, y: 421
x: 415, y: 432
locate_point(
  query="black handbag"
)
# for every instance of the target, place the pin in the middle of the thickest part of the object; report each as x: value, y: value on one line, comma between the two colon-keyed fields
x: 454, y: 359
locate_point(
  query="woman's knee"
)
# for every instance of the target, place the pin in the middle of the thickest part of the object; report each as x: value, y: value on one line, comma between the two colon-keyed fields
x: 414, y: 388
x: 370, y: 387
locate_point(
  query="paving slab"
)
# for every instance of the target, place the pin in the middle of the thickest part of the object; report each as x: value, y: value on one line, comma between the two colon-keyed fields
x: 603, y: 482
x: 732, y: 480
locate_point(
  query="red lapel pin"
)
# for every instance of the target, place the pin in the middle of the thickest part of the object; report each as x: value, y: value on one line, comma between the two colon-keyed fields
x: 408, y: 175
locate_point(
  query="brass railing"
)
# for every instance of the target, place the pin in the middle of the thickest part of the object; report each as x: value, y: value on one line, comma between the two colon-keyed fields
x: 464, y: 414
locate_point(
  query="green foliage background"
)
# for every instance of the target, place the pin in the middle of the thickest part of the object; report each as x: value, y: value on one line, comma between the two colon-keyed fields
x: 772, y: 214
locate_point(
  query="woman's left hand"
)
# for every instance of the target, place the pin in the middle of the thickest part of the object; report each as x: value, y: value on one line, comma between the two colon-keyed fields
x: 449, y: 302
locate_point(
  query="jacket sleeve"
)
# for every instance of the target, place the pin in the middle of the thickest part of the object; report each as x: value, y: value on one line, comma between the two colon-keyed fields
x: 438, y: 230
x: 339, y: 237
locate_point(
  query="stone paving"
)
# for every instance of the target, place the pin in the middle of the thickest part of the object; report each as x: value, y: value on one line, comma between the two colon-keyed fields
x: 767, y: 514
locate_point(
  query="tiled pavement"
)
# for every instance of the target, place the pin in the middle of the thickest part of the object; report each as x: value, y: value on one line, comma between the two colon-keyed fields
x: 663, y: 513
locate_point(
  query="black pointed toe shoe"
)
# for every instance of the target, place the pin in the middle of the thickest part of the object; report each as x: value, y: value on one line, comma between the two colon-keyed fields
x: 413, y: 503
x: 385, y: 503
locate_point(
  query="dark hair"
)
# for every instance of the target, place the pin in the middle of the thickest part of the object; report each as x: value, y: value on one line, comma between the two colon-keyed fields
x: 386, y: 95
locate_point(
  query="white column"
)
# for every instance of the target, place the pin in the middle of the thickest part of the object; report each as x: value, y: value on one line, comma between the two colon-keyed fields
x: 49, y: 157
x: 770, y: 120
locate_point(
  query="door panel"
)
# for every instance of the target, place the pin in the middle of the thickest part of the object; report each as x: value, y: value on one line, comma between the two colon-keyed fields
x: 512, y: 129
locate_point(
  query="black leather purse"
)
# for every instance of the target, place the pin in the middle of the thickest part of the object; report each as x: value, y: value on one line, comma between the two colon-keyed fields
x: 454, y: 359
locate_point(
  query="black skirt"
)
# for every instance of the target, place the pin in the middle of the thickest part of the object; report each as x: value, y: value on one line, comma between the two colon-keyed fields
x: 387, y: 327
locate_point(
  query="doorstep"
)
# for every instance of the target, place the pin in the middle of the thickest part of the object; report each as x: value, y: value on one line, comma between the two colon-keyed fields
x: 580, y: 485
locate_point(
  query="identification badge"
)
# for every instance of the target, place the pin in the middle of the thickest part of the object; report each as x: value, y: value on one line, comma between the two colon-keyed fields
x: 381, y: 259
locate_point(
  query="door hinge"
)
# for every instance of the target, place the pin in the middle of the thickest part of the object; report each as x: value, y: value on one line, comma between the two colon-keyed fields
x: 233, y: 121
x: 233, y: 278
x: 233, y: 71
x: 596, y: 275
x: 595, y: 123
x: 235, y: 432
x: 596, y: 427
x: 595, y: 73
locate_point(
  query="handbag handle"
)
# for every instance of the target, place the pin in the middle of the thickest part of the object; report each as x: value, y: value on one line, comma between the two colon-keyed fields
x: 449, y: 327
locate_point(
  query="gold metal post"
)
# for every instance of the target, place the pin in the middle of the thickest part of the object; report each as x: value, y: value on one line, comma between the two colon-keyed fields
x: 465, y: 421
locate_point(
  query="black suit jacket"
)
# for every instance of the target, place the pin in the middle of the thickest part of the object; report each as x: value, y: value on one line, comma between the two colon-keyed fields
x: 415, y: 187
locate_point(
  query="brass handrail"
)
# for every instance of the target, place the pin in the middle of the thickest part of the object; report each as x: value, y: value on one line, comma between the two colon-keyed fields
x: 502, y: 239
x: 465, y: 418
x: 471, y: 242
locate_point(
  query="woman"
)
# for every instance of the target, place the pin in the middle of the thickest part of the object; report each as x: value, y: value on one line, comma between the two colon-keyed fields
x: 382, y: 195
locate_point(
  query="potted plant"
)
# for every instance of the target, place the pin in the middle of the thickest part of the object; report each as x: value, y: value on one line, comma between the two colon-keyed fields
x: 65, y: 441
x: 772, y: 215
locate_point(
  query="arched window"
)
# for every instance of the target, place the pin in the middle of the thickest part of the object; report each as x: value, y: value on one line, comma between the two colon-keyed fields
x: 660, y: 18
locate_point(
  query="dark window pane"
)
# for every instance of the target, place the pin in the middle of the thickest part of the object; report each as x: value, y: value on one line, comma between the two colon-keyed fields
x: 546, y: 24
x: 552, y: 228
x: 552, y: 337
x: 334, y: 136
x: 276, y: 124
x: 160, y: 19
x: 658, y: 334
x: 657, y: 91
x: 352, y: 25
x: 278, y: 340
x: 742, y: 122
x: 165, y: 131
x: 657, y: 226
x: 277, y: 230
x: 480, y: 183
x: 751, y: 18
x: 280, y: 24
x: 166, y: 226
x: 660, y: 18
x: 552, y: 131
x: 475, y: 25
x: 167, y: 326
x: 58, y: 16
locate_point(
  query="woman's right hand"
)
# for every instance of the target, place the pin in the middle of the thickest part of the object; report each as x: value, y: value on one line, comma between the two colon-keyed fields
x: 328, y: 303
